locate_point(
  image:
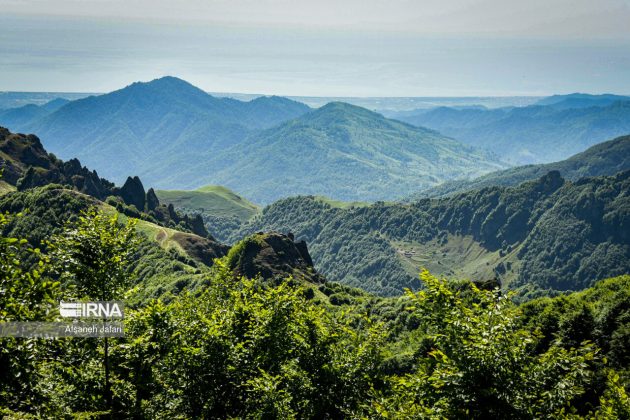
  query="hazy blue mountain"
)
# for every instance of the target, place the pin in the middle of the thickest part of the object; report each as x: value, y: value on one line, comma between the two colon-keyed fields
x: 606, y: 158
x: 21, y: 116
x: 532, y: 134
x: 341, y: 151
x: 176, y: 136
x: 10, y: 100
x: 581, y: 100
x: 166, y: 122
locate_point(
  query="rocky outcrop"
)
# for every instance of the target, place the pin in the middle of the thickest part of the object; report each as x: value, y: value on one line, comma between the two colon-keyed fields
x: 273, y: 255
x: 152, y: 200
x: 132, y: 193
x: 26, y: 164
x: 201, y: 249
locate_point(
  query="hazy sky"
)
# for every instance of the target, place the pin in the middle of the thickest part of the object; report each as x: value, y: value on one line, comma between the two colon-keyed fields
x: 320, y: 48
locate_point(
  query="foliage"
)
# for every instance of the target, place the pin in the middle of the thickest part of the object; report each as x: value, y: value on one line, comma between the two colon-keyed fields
x: 548, y: 234
x: 481, y: 363
x: 26, y: 294
x: 94, y: 253
x: 264, y: 352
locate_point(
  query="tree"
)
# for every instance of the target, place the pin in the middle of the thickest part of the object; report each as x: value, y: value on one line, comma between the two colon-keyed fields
x: 481, y: 363
x: 26, y: 294
x: 94, y: 254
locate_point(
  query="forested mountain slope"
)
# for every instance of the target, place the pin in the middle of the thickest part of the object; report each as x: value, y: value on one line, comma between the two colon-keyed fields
x: 605, y: 158
x: 164, y: 123
x: 532, y: 134
x: 543, y: 234
x: 344, y: 152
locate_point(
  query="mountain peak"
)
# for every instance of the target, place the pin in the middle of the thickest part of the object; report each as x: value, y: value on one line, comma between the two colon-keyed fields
x: 343, y: 111
x: 169, y: 85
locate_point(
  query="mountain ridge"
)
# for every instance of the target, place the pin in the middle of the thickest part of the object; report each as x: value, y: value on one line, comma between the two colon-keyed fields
x: 531, y: 134
x: 605, y: 158
x: 344, y: 152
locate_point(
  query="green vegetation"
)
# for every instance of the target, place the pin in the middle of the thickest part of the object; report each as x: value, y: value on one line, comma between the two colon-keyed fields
x: 343, y: 152
x: 5, y: 188
x: 212, y: 199
x: 256, y: 332
x: 165, y: 263
x: 246, y: 348
x: 606, y: 158
x: 541, y: 236
x: 222, y: 210
x: 338, y: 204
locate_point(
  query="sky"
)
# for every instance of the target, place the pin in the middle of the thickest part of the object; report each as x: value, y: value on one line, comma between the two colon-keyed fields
x: 319, y: 48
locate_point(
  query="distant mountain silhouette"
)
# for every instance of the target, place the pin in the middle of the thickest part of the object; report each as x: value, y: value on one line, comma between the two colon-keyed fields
x: 581, y: 100
x: 606, y: 158
x: 166, y: 122
x: 532, y: 134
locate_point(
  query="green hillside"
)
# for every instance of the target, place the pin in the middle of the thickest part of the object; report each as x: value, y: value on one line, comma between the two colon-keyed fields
x: 605, y: 158
x: 346, y: 153
x: 211, y: 199
x: 546, y: 234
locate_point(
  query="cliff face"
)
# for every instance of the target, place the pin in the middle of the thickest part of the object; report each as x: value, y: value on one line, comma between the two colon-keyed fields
x: 273, y: 255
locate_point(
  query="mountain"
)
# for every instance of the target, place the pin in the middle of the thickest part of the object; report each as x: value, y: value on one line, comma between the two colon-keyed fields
x: 605, y: 158
x: 176, y: 136
x: 50, y: 191
x: 531, y: 134
x: 166, y: 123
x: 20, y: 117
x: 581, y: 100
x: 212, y: 199
x: 546, y: 234
x: 273, y: 256
x: 25, y: 164
x: 344, y: 152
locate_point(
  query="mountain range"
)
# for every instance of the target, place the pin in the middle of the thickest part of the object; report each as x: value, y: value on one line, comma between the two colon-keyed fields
x: 581, y: 100
x: 543, y: 236
x: 347, y: 153
x: 551, y: 130
x: 174, y: 136
x: 605, y: 158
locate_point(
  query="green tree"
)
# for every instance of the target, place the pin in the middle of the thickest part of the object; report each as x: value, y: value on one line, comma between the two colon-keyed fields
x: 26, y: 294
x: 93, y: 254
x: 246, y: 349
x: 482, y: 363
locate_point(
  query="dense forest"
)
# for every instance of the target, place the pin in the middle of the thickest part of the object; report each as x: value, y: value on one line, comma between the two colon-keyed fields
x: 543, y: 236
x: 239, y: 347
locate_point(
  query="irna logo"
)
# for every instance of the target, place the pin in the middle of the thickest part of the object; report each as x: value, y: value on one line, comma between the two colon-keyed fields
x: 112, y: 309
